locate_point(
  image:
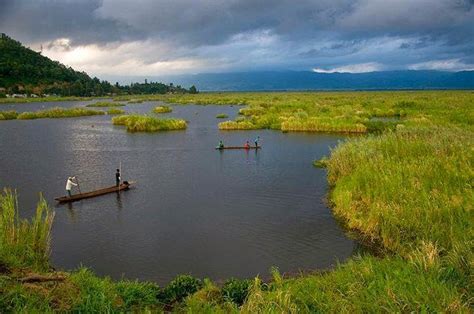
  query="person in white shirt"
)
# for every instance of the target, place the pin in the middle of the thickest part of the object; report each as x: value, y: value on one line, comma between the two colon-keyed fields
x: 69, y: 185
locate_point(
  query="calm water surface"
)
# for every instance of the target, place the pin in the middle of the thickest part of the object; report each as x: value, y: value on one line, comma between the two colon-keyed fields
x: 194, y: 209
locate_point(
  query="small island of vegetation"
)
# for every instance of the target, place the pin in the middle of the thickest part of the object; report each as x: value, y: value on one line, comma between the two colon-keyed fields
x: 162, y: 109
x: 143, y: 123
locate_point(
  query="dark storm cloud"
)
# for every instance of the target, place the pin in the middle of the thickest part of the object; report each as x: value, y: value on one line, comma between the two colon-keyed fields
x: 30, y: 21
x: 294, y: 33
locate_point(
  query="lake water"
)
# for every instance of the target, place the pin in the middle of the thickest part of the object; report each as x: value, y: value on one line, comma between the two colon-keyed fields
x: 194, y: 210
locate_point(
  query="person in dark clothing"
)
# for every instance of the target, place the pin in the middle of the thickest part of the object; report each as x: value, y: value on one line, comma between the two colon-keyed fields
x: 117, y: 177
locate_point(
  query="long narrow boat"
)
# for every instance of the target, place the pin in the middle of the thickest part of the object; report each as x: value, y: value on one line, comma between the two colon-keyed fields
x: 238, y: 147
x: 77, y: 197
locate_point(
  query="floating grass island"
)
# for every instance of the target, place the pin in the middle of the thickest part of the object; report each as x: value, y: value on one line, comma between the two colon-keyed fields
x: 115, y: 111
x: 162, y: 109
x: 222, y: 116
x: 105, y: 104
x: 143, y: 123
x: 52, y: 113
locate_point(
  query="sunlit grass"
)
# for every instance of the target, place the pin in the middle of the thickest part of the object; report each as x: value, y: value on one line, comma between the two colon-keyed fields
x: 162, y: 109
x: 142, y: 123
x: 115, y: 111
x: 8, y: 115
x: 341, y: 111
x: 59, y: 112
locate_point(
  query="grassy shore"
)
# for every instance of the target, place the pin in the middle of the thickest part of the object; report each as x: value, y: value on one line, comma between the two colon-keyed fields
x: 162, y: 109
x: 143, y: 123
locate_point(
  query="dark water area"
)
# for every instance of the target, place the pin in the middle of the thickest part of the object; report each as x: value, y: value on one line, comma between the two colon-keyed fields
x: 194, y: 210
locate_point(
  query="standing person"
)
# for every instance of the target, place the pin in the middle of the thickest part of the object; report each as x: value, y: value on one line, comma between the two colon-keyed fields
x: 69, y: 185
x: 117, y: 178
x: 256, y: 141
x: 247, y: 145
x: 221, y: 144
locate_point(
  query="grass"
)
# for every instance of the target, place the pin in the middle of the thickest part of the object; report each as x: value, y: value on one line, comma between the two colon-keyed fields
x: 8, y: 115
x: 23, y: 242
x: 42, y: 99
x: 115, y: 111
x: 102, y: 104
x: 143, y: 123
x: 406, y: 189
x: 162, y: 109
x: 58, y: 112
x: 347, y: 112
x: 222, y: 116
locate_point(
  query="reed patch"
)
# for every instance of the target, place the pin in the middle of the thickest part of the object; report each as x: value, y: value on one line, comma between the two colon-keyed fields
x: 143, y: 123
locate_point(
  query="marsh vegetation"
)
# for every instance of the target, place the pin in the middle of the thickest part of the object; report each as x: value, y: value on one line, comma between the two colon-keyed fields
x: 102, y: 104
x: 143, y: 123
x: 162, y: 109
x: 405, y: 189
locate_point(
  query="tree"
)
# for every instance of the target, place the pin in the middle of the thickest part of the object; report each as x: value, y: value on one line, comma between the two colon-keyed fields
x: 193, y: 90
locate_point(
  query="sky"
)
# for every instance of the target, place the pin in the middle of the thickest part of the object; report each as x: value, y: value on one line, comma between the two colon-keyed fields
x: 165, y: 37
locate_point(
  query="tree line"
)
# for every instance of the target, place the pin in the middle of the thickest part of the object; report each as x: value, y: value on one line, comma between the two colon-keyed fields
x: 25, y: 71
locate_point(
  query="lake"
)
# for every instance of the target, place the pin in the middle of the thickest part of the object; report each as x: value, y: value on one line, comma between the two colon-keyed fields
x: 194, y: 210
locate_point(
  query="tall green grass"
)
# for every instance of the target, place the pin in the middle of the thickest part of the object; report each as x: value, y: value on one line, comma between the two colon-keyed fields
x: 141, y: 123
x: 24, y: 243
x: 59, y: 112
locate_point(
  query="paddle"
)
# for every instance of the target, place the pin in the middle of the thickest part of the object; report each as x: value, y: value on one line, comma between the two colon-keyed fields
x: 78, y: 186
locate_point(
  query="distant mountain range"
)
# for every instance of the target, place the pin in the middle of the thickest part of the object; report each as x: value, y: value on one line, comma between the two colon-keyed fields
x: 306, y: 80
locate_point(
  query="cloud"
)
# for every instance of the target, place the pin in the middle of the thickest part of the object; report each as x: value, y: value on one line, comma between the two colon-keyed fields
x: 353, y: 68
x: 118, y: 36
x: 443, y: 65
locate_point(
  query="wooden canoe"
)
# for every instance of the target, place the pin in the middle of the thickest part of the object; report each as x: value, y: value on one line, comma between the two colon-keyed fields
x: 238, y: 147
x: 77, y: 197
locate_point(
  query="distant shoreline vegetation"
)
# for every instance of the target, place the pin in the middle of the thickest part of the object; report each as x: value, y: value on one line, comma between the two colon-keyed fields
x: 102, y: 104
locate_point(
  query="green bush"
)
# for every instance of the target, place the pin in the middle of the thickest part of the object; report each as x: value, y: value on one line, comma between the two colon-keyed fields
x: 180, y: 287
x: 236, y: 290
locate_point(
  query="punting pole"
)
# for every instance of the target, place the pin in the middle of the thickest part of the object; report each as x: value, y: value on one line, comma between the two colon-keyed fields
x: 78, y: 186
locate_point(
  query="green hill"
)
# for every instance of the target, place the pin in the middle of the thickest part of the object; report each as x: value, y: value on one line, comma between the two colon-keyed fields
x: 25, y: 71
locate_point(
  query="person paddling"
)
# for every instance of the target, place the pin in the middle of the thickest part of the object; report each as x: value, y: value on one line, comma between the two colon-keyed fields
x: 69, y: 185
x: 221, y: 144
x: 117, y: 178
x: 256, y: 141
